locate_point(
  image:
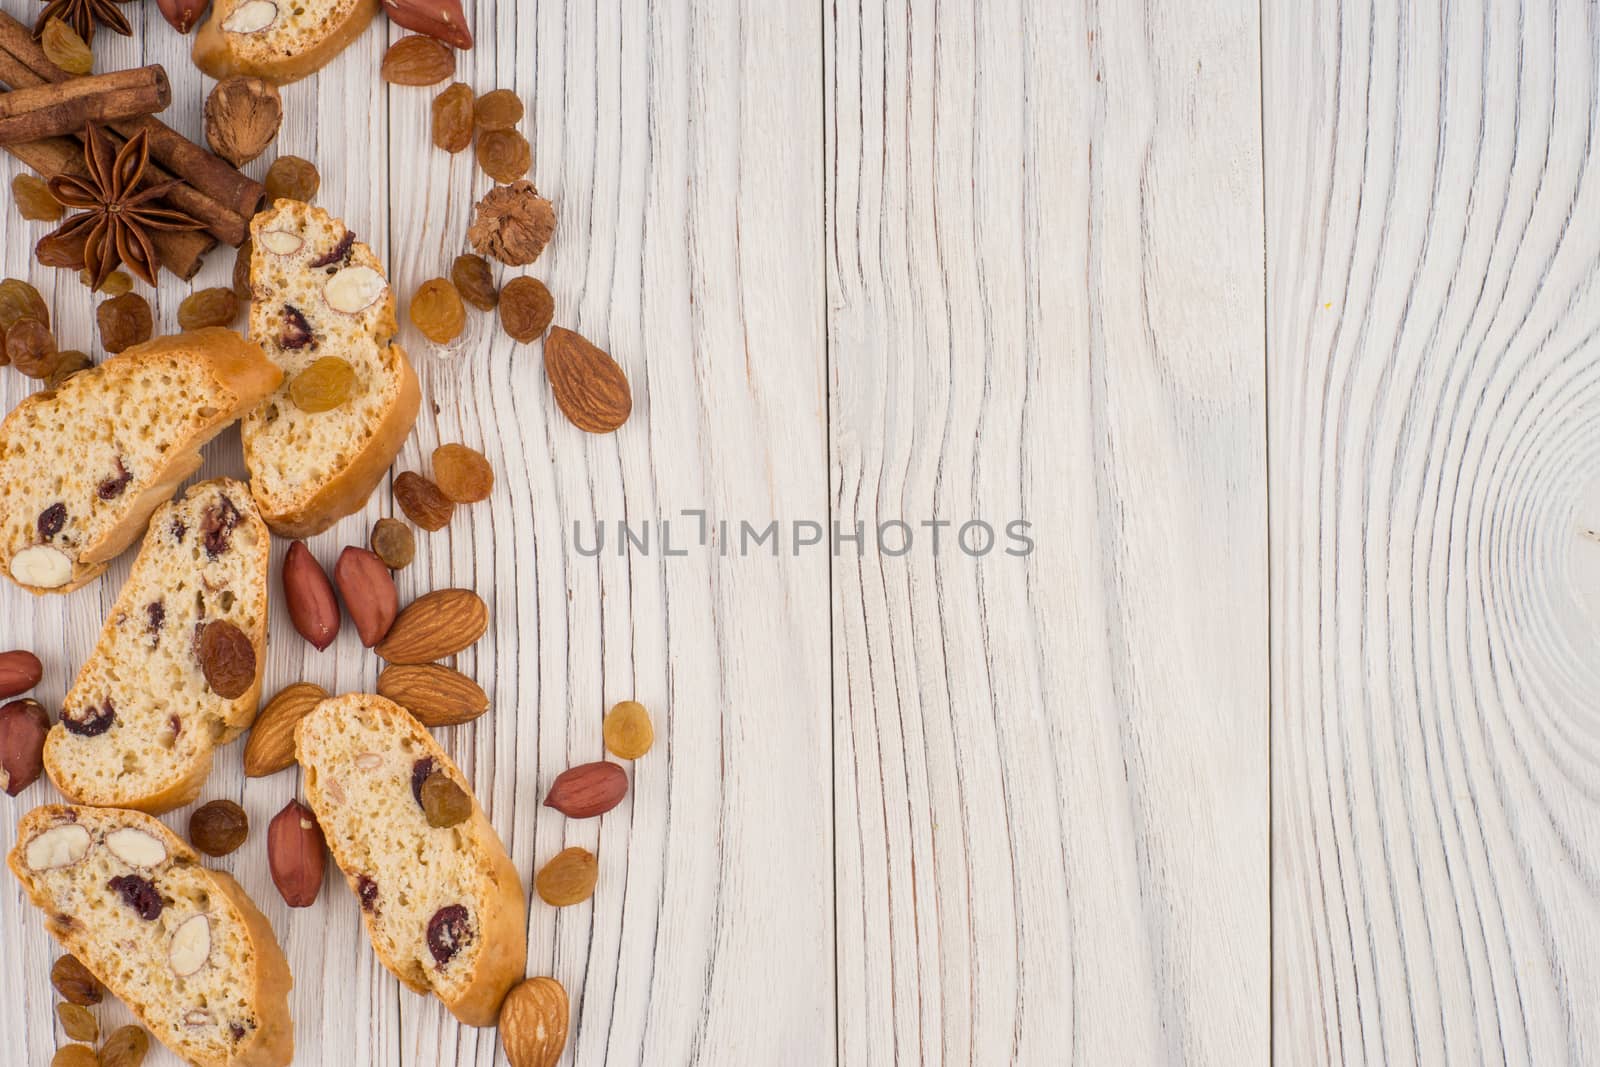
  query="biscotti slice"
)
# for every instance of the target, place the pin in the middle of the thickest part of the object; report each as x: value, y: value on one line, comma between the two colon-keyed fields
x: 139, y: 726
x: 443, y: 905
x: 278, y: 40
x: 181, y: 945
x: 320, y: 294
x: 83, y: 465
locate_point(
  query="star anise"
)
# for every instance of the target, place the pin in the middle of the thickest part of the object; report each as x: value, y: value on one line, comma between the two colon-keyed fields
x: 83, y: 15
x: 117, y: 218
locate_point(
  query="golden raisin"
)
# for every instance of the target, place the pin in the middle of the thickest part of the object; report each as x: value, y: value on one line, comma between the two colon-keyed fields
x: 504, y: 155
x: 124, y: 321
x: 241, y: 271
x: 34, y: 200
x: 417, y: 60
x: 208, y: 307
x: 326, y: 384
x: 526, y: 308
x: 63, y: 47
x: 116, y: 283
x: 627, y: 730
x: 75, y: 982
x: 126, y: 1047
x: 499, y: 110
x: 78, y: 1022
x: 32, y: 348
x: 74, y: 1056
x: 422, y: 501
x: 293, y: 178
x: 443, y: 802
x: 452, y: 118
x: 436, y: 310
x: 475, y: 281
x: 568, y: 878
x: 393, y: 542
x: 68, y: 362
x: 462, y: 474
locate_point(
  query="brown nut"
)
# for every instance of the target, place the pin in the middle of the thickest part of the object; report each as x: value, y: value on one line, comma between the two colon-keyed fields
x: 20, y: 671
x: 434, y: 626
x: 436, y: 695
x: 219, y: 827
x: 242, y: 117
x: 271, y: 745
x: 296, y: 854
x: 75, y: 982
x: 306, y: 589
x: 369, y: 593
x: 443, y: 19
x: 533, y: 1023
x: 183, y: 14
x: 588, y: 790
x: 23, y: 728
x: 590, y: 388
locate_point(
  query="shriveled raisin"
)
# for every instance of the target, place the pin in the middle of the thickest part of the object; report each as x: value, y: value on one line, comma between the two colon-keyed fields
x: 113, y: 485
x: 326, y: 384
x: 449, y: 931
x: 208, y: 307
x: 140, y: 894
x: 296, y: 332
x: 74, y: 1056
x: 126, y: 1047
x: 33, y: 199
x: 452, y: 118
x: 504, y: 155
x: 462, y: 474
x: 51, y: 520
x: 569, y: 877
x: 627, y: 730
x: 65, y: 48
x: 227, y: 659
x: 241, y: 271
x: 124, y: 321
x: 437, y: 311
x: 68, y: 362
x: 292, y: 178
x: 417, y: 60
x: 78, y: 1022
x: 32, y: 348
x: 394, y: 543
x: 75, y: 982
x: 500, y: 109
x: 444, y: 803
x: 419, y: 774
x: 367, y: 890
x: 422, y: 501
x: 18, y: 301
x: 116, y: 283
x: 526, y: 309
x: 475, y: 281
x: 219, y: 827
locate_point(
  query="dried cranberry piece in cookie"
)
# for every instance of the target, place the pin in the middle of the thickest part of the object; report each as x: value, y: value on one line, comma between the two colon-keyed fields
x: 139, y: 894
x: 91, y: 722
x: 449, y: 931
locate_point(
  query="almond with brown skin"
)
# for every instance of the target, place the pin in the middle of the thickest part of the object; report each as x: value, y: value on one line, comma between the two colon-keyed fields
x: 533, y: 1023
x: 590, y: 388
x: 309, y: 595
x: 296, y: 854
x: 436, y: 695
x: 434, y: 626
x: 23, y: 727
x: 588, y: 790
x: 271, y: 745
x: 369, y: 593
x: 20, y: 671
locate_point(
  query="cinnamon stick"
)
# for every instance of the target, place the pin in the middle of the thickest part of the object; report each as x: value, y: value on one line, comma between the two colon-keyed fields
x: 211, y: 175
x: 180, y: 251
x: 53, y: 109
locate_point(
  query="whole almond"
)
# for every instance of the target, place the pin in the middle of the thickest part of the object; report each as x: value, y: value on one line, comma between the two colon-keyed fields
x: 435, y: 18
x: 312, y: 606
x: 437, y: 696
x: 590, y: 388
x: 434, y: 626
x: 296, y: 854
x: 588, y: 790
x: 20, y: 671
x: 533, y: 1023
x: 271, y: 745
x: 23, y: 726
x: 368, y: 591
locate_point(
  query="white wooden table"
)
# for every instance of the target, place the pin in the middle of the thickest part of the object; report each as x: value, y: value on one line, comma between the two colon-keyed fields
x: 1276, y: 322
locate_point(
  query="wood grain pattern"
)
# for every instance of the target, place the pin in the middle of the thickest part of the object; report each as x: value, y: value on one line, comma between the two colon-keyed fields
x: 1046, y: 302
x: 1433, y: 451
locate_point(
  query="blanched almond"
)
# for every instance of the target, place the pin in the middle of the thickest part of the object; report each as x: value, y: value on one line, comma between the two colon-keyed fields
x: 280, y: 242
x: 136, y: 848
x: 42, y: 567
x: 354, y: 289
x: 59, y: 846
x: 252, y: 16
x: 191, y: 946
